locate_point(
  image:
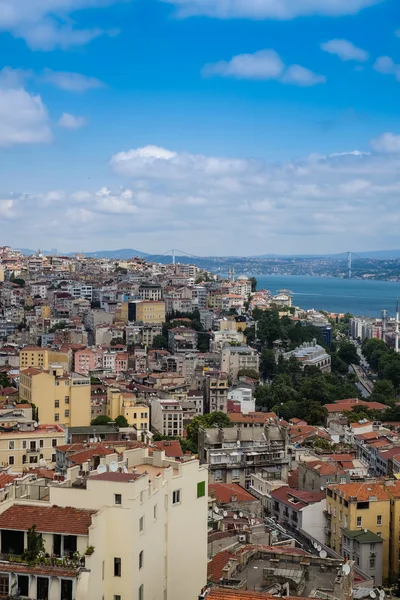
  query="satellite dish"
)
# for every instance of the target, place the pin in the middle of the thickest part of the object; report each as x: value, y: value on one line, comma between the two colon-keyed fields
x: 241, y: 515
x: 323, y: 554
x: 319, y: 548
x: 225, y: 513
x: 346, y: 569
x: 91, y: 440
x: 42, y: 462
x: 315, y: 544
x: 101, y: 469
x: 322, y: 488
x: 235, y: 517
x: 113, y: 466
x: 216, y: 509
x: 372, y: 594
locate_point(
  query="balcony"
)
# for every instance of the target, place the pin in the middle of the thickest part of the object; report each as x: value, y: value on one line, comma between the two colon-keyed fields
x: 327, y: 531
x: 328, y: 514
x: 33, y: 450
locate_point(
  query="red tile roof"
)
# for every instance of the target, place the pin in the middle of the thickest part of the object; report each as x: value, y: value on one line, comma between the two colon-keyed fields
x: 5, y: 478
x: 48, y: 519
x: 226, y: 594
x: 303, y: 498
x: 217, y: 565
x: 80, y: 457
x: 361, y: 491
x: 257, y: 417
x: 223, y: 492
x: 172, y: 448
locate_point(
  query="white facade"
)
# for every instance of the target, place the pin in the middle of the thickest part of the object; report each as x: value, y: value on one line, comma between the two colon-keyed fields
x: 243, y: 395
x: 81, y: 291
x: 167, y: 417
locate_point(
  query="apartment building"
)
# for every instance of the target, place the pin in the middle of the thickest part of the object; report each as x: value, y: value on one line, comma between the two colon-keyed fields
x: 182, y: 339
x: 235, y: 358
x: 216, y: 386
x: 150, y: 291
x: 167, y: 417
x: 234, y: 454
x: 81, y: 291
x: 123, y: 403
x: 24, y: 449
x: 60, y: 397
x: 150, y: 312
x: 365, y: 548
x: 40, y: 358
x: 297, y: 509
x: 356, y: 507
x: 85, y: 361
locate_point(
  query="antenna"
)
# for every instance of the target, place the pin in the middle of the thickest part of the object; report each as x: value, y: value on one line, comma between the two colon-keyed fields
x: 101, y: 469
x: 113, y: 466
x: 323, y: 554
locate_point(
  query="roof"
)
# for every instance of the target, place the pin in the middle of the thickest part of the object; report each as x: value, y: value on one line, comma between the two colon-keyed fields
x: 362, y: 491
x: 81, y: 457
x: 227, y: 594
x: 257, y: 417
x: 5, y: 478
x: 323, y: 467
x: 172, y: 448
x: 223, y: 492
x: 48, y: 519
x: 116, y: 477
x: 363, y: 535
x: 303, y: 498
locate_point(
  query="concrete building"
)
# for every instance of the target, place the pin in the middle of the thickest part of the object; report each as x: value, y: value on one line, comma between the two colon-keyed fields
x: 150, y: 291
x: 243, y: 396
x: 296, y: 509
x: 235, y: 358
x: 311, y: 354
x: 182, y: 339
x: 150, y: 312
x: 23, y: 449
x: 234, y: 454
x: 161, y: 502
x: 316, y: 475
x: 37, y: 357
x: 60, y: 398
x: 167, y: 417
x: 226, y: 336
x: 216, y: 387
x: 365, y: 548
x: 122, y: 403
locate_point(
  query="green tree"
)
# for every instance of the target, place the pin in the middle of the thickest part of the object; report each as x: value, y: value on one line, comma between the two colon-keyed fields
x: 121, y: 421
x: 218, y: 419
x: 160, y: 342
x: 383, y: 392
x: 101, y: 420
x: 347, y: 352
x: 253, y: 282
x: 268, y: 366
x: 19, y: 281
x: 35, y: 545
x: 252, y: 373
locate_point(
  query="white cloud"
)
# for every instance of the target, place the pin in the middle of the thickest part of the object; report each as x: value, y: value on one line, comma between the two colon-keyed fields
x: 48, y: 24
x: 387, y: 143
x: 269, y: 9
x: 387, y: 66
x: 23, y: 116
x: 69, y: 121
x: 345, y: 50
x: 263, y: 65
x: 71, y: 82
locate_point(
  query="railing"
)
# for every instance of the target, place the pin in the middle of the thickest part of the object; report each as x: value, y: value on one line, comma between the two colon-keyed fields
x: 33, y: 450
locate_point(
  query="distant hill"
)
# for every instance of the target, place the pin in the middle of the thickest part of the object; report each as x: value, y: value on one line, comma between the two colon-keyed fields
x: 378, y: 254
x: 116, y: 254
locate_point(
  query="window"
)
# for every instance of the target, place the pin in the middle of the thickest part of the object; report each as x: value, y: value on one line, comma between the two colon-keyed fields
x: 235, y: 474
x: 155, y: 511
x: 201, y: 489
x: 53, y: 458
x: 56, y: 403
x: 117, y: 597
x: 24, y: 459
x: 56, y: 417
x: 176, y: 497
x: 359, y: 521
x: 141, y: 497
x: 33, y: 460
x: 218, y: 475
x: 117, y: 567
x: 10, y: 460
x: 343, y: 480
x: 372, y: 547
x: 66, y: 413
x: 340, y: 515
x: 141, y: 524
x: 141, y: 592
x: 11, y: 445
x: 24, y: 444
x: 41, y: 443
x: 140, y: 559
x: 66, y: 400
x: 372, y: 563
x: 117, y: 499
x: 23, y: 585
x: 379, y: 520
x: 54, y: 443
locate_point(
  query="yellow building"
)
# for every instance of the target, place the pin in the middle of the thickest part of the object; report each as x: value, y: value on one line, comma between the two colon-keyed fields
x: 230, y: 324
x: 121, y: 403
x: 393, y: 489
x: 150, y: 311
x: 46, y: 312
x: 353, y: 506
x: 121, y: 314
x: 37, y: 357
x: 59, y: 397
x: 25, y: 449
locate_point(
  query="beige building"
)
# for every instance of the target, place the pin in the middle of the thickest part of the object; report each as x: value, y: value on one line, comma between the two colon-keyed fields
x: 133, y: 530
x: 21, y: 449
x: 125, y: 404
x: 34, y: 356
x: 167, y: 417
x: 59, y: 397
x: 235, y: 358
x: 150, y: 311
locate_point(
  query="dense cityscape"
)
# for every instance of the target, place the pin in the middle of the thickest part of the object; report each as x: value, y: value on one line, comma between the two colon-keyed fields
x: 165, y: 399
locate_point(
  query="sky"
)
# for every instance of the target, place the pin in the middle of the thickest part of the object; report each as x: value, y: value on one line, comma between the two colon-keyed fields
x: 217, y: 127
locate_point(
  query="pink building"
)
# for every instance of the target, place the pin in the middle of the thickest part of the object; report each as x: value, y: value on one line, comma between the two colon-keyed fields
x: 85, y: 361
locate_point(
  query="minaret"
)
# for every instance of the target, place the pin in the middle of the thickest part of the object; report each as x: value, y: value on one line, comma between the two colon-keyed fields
x: 397, y: 327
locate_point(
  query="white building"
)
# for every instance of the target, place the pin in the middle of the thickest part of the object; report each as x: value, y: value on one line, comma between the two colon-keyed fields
x: 311, y: 354
x: 167, y: 417
x: 80, y: 290
x: 141, y: 534
x: 235, y: 358
x: 244, y: 396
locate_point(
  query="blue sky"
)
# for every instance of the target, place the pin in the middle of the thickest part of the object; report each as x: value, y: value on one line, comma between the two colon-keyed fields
x: 214, y: 126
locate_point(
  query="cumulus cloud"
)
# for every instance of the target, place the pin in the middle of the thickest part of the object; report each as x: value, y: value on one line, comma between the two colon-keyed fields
x: 387, y: 66
x: 345, y: 50
x: 47, y: 24
x: 69, y: 121
x: 388, y: 143
x: 71, y: 82
x: 23, y: 116
x: 269, y: 9
x: 262, y: 65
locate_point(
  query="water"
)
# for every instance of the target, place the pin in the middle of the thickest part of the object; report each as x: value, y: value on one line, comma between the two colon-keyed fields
x: 356, y: 296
